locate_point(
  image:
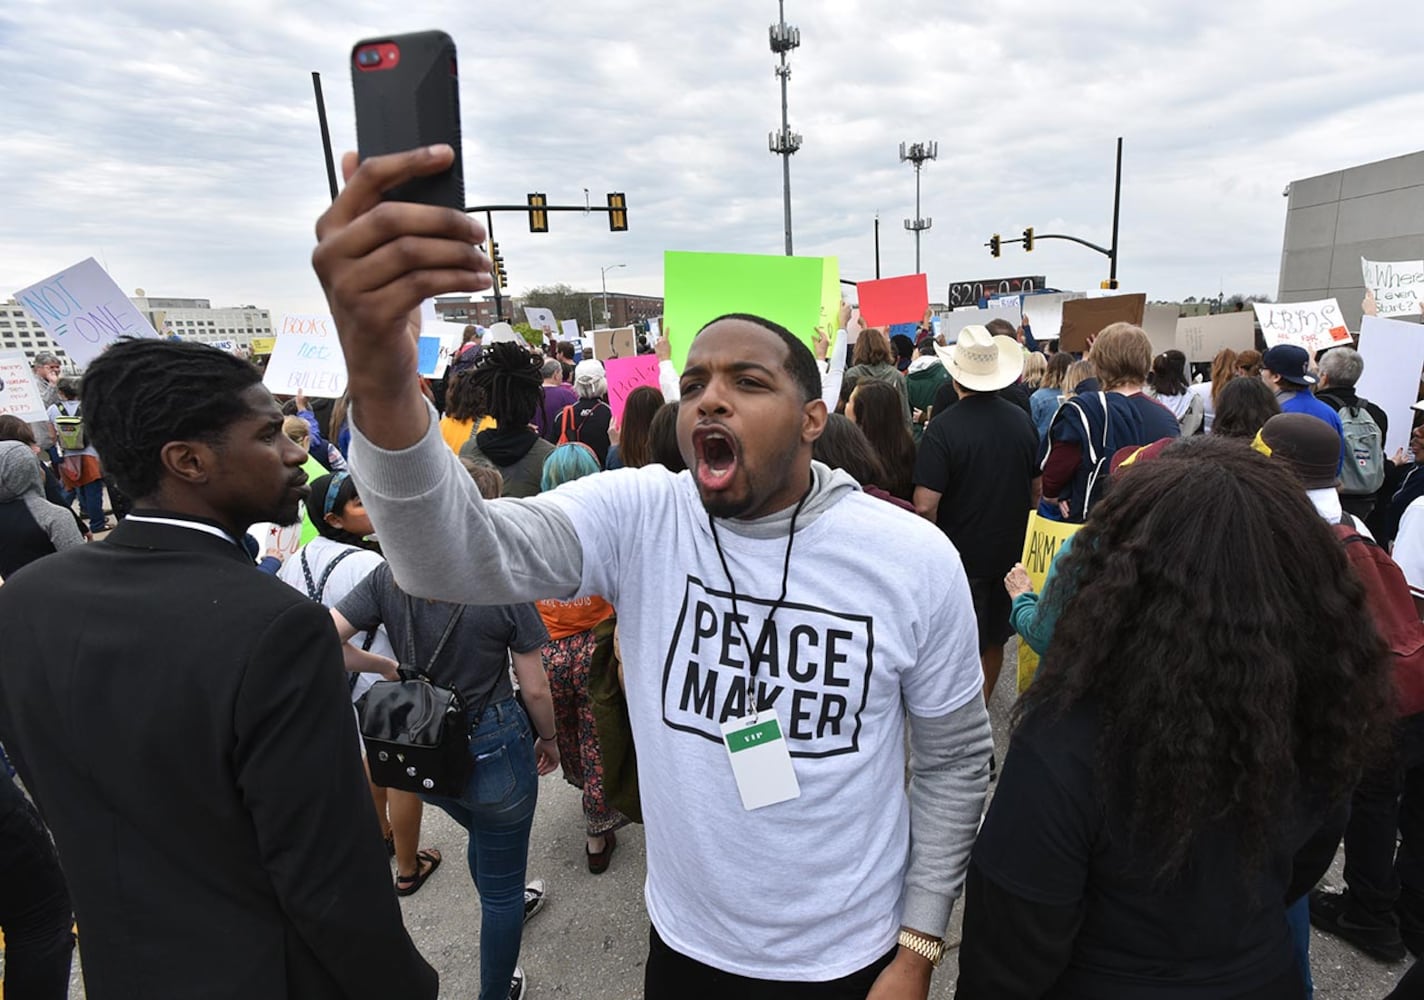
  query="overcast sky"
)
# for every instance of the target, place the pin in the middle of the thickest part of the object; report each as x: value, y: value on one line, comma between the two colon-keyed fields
x: 178, y: 142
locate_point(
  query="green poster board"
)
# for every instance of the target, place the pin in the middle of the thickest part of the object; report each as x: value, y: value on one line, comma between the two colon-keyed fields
x: 800, y: 293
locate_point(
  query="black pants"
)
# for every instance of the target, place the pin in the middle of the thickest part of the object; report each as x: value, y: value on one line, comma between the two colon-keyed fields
x: 34, y: 910
x: 1389, y: 798
x: 670, y: 975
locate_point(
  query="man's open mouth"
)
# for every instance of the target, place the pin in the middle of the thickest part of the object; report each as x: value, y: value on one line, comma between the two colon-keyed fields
x: 716, y: 453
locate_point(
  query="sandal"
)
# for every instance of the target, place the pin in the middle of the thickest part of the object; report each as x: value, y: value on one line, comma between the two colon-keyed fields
x: 427, y: 860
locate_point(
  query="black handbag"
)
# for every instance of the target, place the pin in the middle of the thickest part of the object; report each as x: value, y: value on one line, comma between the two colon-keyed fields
x: 417, y: 733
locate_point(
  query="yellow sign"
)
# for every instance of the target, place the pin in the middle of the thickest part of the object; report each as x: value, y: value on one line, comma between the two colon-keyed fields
x: 1041, y: 544
x: 263, y: 345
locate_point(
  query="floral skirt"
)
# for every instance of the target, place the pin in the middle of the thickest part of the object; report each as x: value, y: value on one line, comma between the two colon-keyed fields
x: 567, y: 662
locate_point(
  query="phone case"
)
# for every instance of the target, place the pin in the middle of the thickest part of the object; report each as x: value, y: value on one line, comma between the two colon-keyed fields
x: 415, y: 103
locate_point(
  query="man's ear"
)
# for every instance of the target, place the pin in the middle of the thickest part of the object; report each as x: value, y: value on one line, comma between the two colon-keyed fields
x: 814, y: 421
x: 188, y: 462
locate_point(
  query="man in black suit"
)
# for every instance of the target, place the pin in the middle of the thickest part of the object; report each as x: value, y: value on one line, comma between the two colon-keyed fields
x: 183, y: 721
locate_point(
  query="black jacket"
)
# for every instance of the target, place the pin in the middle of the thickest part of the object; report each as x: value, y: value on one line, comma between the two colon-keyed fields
x: 184, y: 724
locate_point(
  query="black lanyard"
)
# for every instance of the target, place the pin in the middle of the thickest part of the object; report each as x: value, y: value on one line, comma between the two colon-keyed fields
x: 753, y: 701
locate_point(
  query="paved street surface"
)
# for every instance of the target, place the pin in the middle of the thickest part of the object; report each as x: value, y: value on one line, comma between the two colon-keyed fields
x: 591, y: 938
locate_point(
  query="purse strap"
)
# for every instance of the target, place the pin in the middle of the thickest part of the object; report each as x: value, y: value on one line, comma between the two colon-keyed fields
x: 316, y: 589
x: 439, y: 647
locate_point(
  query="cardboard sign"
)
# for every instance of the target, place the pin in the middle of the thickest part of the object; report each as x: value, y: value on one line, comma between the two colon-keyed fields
x: 1087, y: 317
x: 951, y: 324
x: 619, y: 343
x: 1045, y: 313
x: 1202, y: 338
x: 83, y: 311
x: 1159, y: 322
x: 800, y: 293
x: 1397, y: 285
x: 307, y: 356
x: 1041, y: 544
x: 1316, y: 326
x: 541, y: 319
x: 19, y: 396
x: 625, y: 375
x: 888, y: 301
x: 571, y: 330
x: 1393, y: 352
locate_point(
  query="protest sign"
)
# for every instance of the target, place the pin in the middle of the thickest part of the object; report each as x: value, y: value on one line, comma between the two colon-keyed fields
x: 19, y: 396
x: 1159, y: 322
x: 307, y: 356
x: 1087, y: 317
x: 1041, y: 543
x: 952, y: 323
x: 1316, y: 326
x: 619, y: 343
x: 571, y: 330
x: 263, y: 345
x: 435, y: 350
x: 542, y: 319
x: 800, y: 293
x: 1397, y: 285
x: 1393, y: 352
x: 1045, y: 313
x: 887, y: 301
x: 83, y: 311
x: 625, y: 375
x: 427, y: 356
x: 1201, y: 338
x: 226, y: 346
x: 654, y: 331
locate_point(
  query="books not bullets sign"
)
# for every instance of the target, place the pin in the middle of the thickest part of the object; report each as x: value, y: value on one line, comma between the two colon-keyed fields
x: 307, y: 356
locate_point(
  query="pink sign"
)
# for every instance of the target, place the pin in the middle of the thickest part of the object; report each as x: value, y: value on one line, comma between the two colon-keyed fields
x: 625, y: 375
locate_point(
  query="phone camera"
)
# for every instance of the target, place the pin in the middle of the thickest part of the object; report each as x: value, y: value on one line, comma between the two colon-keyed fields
x: 368, y: 57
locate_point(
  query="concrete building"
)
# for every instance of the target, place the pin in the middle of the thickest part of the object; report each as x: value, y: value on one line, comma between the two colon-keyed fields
x: 623, y: 309
x: 197, y: 320
x: 190, y: 319
x: 1374, y: 211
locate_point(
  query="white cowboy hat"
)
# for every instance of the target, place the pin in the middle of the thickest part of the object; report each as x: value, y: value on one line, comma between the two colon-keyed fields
x: 981, y: 361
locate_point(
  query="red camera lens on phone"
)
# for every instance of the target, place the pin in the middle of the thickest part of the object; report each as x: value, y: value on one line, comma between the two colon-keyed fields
x: 380, y: 56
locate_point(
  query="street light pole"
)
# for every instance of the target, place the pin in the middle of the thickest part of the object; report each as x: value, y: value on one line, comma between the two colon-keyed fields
x: 603, y: 276
x: 917, y: 153
x: 784, y: 38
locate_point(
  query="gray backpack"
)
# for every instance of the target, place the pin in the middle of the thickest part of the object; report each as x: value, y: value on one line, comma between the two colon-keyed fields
x: 1363, y: 472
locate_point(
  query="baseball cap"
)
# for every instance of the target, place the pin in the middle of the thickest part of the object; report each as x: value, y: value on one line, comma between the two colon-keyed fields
x: 1290, y: 362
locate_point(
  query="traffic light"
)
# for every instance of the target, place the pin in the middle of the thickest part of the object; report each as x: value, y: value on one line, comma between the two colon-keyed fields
x: 994, y: 245
x: 1109, y: 283
x: 538, y: 218
x: 501, y: 279
x: 617, y: 212
x: 1028, y: 239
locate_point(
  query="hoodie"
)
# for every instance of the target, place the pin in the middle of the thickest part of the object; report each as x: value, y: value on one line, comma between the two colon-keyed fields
x: 30, y: 526
x: 517, y: 452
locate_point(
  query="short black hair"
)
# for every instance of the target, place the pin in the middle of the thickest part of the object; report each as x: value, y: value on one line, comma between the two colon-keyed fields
x: 800, y: 362
x: 142, y: 393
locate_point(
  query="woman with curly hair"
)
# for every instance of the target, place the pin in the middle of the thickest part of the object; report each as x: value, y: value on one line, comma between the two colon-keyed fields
x: 1176, y: 771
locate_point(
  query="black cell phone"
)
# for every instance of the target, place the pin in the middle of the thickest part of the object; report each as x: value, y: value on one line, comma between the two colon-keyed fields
x: 407, y: 90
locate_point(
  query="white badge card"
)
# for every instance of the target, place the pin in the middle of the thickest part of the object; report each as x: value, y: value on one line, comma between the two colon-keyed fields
x: 761, y: 761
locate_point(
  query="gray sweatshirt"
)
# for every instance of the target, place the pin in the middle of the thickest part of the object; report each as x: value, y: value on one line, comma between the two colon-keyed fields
x: 33, y: 519
x: 877, y: 629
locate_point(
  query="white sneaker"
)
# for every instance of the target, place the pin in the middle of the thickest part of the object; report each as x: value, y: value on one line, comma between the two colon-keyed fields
x: 517, y: 985
x: 533, y: 898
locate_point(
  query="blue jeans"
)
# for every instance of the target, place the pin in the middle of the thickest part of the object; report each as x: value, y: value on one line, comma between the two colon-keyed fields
x: 91, y: 504
x: 1298, y: 920
x: 497, y: 808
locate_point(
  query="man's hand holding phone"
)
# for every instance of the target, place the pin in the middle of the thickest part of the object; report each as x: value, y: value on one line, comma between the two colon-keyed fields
x: 377, y: 261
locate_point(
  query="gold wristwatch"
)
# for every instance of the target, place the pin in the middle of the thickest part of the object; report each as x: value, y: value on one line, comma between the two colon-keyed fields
x: 926, y: 947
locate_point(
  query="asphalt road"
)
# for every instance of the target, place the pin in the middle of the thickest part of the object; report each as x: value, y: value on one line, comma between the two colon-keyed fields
x: 590, y: 940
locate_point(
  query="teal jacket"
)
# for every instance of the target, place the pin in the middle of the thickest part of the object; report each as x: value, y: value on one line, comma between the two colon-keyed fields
x: 1033, y: 617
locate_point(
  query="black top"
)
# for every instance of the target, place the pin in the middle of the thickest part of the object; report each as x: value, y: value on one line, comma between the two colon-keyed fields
x: 474, y: 660
x: 586, y: 421
x: 1059, y: 905
x: 981, y: 456
x: 192, y: 748
x: 945, y: 397
x: 22, y: 538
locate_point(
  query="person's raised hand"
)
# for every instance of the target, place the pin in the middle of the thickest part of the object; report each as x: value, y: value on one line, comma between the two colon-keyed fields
x: 1368, y: 306
x: 377, y: 261
x: 301, y: 400
x: 663, y: 348
x: 843, y: 320
x: 821, y: 344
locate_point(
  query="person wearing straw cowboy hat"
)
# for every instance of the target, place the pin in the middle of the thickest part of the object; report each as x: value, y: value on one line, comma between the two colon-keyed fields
x: 976, y: 477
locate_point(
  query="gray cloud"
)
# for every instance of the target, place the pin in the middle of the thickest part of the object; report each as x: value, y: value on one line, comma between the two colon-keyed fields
x: 179, y: 144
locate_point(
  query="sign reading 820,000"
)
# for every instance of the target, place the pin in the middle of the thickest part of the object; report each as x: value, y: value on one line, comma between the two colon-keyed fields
x: 971, y: 293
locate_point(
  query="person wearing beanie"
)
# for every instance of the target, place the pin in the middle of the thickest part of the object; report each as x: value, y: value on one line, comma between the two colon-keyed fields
x: 588, y: 418
x: 1286, y: 369
x: 1312, y: 450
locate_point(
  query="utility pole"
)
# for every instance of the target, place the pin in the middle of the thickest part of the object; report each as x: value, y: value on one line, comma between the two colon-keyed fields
x: 603, y: 276
x: 917, y: 153
x: 784, y: 38
x: 877, y: 245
